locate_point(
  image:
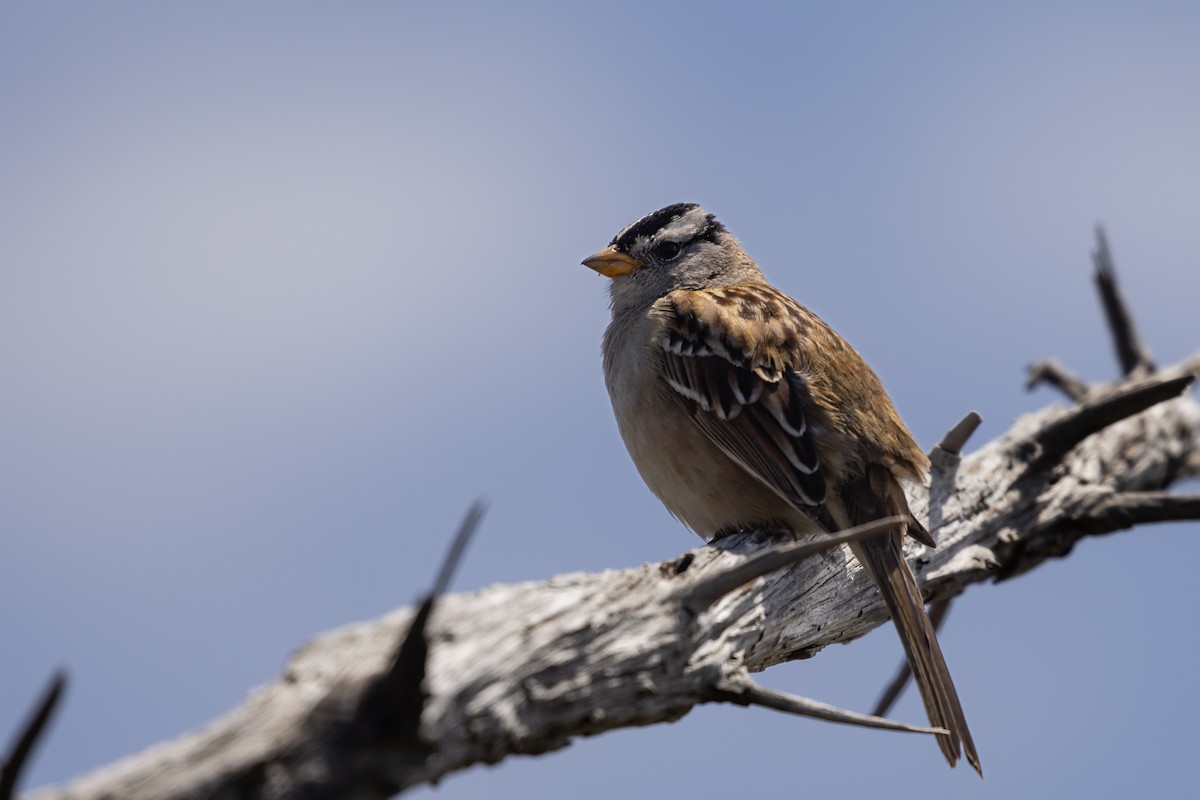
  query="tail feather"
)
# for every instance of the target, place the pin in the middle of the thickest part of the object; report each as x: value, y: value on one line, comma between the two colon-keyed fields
x: 883, y: 557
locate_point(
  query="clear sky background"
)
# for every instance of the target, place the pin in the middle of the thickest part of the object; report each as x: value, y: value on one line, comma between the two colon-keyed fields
x: 284, y: 286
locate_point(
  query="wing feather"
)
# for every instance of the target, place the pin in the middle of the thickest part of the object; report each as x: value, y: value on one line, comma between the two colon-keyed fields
x: 745, y: 399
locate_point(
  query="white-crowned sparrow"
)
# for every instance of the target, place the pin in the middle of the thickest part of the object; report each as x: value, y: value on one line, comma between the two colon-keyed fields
x: 743, y: 410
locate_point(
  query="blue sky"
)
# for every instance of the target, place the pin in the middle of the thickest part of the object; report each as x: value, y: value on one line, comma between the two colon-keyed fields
x: 284, y: 286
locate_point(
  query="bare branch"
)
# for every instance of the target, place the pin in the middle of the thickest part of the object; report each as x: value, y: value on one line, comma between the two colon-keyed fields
x: 1131, y: 353
x: 525, y: 668
x: 26, y: 740
x: 466, y: 530
x: 744, y: 691
x: 1087, y: 418
x: 390, y: 707
x: 1053, y: 373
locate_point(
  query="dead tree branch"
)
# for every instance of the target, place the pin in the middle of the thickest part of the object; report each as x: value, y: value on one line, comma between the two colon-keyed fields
x: 27, y: 739
x: 524, y: 669
x: 1133, y: 359
x: 1131, y: 353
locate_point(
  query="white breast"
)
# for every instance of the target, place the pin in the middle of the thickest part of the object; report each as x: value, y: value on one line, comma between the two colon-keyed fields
x: 688, y: 472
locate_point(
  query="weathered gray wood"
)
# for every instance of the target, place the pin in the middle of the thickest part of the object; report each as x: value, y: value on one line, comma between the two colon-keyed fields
x: 525, y: 668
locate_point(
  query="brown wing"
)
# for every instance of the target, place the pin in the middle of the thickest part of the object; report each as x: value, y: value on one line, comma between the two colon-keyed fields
x: 753, y: 406
x: 743, y: 356
x: 753, y: 360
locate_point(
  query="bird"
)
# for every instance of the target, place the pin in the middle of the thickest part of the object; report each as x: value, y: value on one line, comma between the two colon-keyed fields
x: 743, y: 410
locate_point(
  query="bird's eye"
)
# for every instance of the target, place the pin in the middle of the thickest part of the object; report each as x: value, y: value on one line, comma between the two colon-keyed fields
x: 665, y: 251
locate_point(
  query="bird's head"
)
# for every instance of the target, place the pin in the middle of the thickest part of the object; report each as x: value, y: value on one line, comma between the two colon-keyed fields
x: 681, y: 246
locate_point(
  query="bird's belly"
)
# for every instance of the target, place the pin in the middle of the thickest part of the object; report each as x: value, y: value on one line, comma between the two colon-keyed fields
x: 690, y: 474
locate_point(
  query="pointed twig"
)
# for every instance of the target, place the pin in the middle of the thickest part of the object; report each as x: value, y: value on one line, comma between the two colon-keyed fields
x: 23, y: 746
x: 1053, y: 373
x: 957, y: 436
x: 948, y: 452
x: 466, y: 530
x: 937, y: 615
x: 708, y: 590
x: 1131, y: 353
x: 744, y: 691
x: 390, y: 708
x: 1087, y: 418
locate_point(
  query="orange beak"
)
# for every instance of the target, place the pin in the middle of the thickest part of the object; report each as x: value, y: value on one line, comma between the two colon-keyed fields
x: 610, y: 263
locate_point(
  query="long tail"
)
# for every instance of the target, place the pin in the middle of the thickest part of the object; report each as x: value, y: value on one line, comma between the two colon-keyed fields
x: 883, y: 558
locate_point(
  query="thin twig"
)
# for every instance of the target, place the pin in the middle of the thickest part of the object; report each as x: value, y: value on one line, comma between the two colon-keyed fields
x: 744, y: 691
x: 390, y: 708
x: 466, y: 530
x: 1131, y: 353
x: 1054, y: 374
